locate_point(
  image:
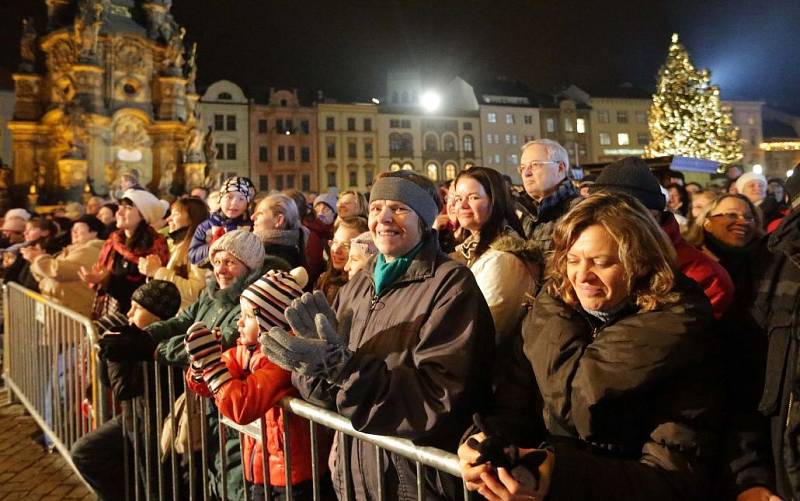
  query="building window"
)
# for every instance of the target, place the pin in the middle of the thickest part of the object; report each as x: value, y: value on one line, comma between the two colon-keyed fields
x: 508, y: 138
x: 623, y: 139
x: 491, y: 118
x: 641, y: 117
x: 279, y: 125
x: 449, y: 143
x: 394, y: 167
x: 231, y: 153
x: 263, y: 183
x: 550, y: 124
x: 497, y: 158
x: 466, y: 126
x: 369, y: 176
x: 279, y: 182
x: 510, y: 118
x: 219, y: 122
x: 433, y: 171
x: 605, y: 138
x: 330, y: 123
x: 231, y: 119
x: 580, y: 125
x: 642, y: 138
x: 512, y: 159
x: 468, y: 144
x: 430, y: 143
x: 263, y: 154
x: 568, y: 125
x: 283, y: 103
x: 220, y: 151
x: 622, y: 117
x: 263, y: 126
x: 351, y: 124
x: 488, y: 139
x: 305, y: 182
x: 289, y: 125
x: 351, y: 148
x: 305, y: 154
x: 368, y: 152
x: 408, y: 166
x: 352, y: 177
x: 394, y: 123
x: 331, y: 178
x: 449, y: 171
x: 368, y: 124
x: 394, y: 97
x: 291, y: 154
x: 330, y: 147
x: 224, y: 96
x: 602, y: 117
x: 281, y: 153
x: 404, y: 97
x: 304, y: 126
x: 290, y: 181
x: 528, y: 119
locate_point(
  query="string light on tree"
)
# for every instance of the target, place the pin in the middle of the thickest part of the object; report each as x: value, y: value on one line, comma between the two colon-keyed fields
x: 686, y: 117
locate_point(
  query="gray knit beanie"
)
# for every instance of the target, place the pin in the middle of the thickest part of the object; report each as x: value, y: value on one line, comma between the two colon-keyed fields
x: 241, y: 244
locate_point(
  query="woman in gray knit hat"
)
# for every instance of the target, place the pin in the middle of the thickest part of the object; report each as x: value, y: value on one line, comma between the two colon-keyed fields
x: 406, y: 349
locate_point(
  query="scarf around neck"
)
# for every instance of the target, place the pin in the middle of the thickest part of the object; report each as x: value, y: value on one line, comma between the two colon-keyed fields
x: 288, y: 238
x: 387, y: 272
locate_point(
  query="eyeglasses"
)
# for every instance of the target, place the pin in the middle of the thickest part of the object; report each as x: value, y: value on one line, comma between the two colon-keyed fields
x: 337, y: 243
x: 732, y: 217
x: 535, y: 165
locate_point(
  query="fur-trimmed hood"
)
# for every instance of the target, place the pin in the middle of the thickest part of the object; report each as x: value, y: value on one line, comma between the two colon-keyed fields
x: 527, y: 250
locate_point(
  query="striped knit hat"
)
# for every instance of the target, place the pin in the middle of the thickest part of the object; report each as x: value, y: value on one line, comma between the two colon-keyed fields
x: 271, y: 294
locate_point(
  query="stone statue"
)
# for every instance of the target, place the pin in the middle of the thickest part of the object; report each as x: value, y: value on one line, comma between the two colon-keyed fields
x: 193, y: 146
x: 173, y: 57
x: 74, y: 131
x: 27, y: 44
x: 41, y: 176
x: 88, y: 24
x: 210, y: 149
x: 191, y: 77
x: 167, y: 177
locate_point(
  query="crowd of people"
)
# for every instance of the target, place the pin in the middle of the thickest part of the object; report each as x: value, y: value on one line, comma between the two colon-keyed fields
x: 617, y: 336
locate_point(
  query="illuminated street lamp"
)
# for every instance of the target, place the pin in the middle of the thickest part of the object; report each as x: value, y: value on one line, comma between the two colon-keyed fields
x: 790, y: 173
x: 757, y: 169
x: 430, y: 101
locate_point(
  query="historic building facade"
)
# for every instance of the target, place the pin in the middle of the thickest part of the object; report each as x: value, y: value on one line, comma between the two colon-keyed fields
x: 348, y: 146
x: 225, y: 112
x: 283, y: 143
x: 108, y: 86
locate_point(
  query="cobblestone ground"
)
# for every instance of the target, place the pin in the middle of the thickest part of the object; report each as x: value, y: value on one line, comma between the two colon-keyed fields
x: 27, y: 471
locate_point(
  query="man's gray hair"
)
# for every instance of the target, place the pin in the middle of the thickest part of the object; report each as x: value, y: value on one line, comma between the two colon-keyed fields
x: 555, y: 152
x: 279, y: 203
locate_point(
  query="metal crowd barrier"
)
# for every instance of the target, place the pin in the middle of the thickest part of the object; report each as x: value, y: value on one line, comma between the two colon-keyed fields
x: 49, y: 357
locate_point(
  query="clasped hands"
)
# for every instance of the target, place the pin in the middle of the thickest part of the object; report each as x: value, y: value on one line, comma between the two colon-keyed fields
x: 501, y: 471
x: 319, y: 346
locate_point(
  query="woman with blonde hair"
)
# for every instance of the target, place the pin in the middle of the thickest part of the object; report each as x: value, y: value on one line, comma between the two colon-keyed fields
x: 615, y: 358
x: 185, y: 215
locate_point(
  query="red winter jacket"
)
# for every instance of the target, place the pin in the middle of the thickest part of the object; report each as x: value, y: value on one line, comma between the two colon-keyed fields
x: 701, y: 268
x: 255, y: 390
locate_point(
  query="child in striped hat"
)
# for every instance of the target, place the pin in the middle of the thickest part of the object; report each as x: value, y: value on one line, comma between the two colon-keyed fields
x: 246, y: 386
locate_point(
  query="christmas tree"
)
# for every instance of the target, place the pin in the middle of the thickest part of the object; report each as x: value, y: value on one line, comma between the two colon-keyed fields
x: 686, y: 117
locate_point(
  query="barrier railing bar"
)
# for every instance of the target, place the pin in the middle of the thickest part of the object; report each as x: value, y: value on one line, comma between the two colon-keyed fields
x: 314, y: 461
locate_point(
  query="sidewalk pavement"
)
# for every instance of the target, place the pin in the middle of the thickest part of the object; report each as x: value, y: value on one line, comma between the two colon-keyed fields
x: 27, y: 471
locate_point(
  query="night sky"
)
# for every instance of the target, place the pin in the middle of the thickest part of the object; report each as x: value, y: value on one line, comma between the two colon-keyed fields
x: 346, y: 47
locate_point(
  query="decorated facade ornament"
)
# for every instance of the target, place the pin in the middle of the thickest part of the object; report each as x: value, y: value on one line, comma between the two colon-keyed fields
x: 27, y: 45
x: 191, y: 77
x: 193, y: 146
x: 174, y: 59
x: 210, y: 149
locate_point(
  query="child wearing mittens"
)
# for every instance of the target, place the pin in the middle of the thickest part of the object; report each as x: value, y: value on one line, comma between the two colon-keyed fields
x: 245, y: 385
x: 234, y: 198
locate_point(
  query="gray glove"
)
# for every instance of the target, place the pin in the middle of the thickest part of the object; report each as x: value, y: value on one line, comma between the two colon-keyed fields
x: 302, y: 311
x: 321, y: 352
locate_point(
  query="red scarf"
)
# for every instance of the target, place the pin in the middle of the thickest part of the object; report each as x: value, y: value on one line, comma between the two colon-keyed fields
x: 116, y: 245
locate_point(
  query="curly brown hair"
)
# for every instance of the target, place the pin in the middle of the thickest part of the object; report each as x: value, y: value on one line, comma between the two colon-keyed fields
x: 644, y: 251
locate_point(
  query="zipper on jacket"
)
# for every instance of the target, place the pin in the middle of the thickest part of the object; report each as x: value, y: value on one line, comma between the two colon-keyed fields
x: 789, y: 408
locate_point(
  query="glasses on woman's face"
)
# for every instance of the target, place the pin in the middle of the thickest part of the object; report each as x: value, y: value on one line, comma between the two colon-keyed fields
x: 732, y: 217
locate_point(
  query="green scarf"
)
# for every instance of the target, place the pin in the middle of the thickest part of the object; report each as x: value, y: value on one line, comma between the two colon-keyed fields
x: 387, y: 273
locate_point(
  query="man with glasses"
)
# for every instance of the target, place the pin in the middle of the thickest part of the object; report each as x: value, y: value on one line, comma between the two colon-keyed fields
x: 544, y: 168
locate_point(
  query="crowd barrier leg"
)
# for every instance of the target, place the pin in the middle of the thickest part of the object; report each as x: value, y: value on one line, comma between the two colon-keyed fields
x: 314, y: 459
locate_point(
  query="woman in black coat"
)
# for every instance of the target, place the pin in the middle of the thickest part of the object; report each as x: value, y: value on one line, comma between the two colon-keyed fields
x: 619, y: 345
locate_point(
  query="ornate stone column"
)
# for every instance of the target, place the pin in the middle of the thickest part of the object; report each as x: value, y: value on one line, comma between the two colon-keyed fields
x: 170, y: 98
x: 27, y: 88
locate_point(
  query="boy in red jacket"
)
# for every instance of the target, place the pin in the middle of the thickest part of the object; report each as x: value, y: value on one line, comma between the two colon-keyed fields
x: 246, y: 386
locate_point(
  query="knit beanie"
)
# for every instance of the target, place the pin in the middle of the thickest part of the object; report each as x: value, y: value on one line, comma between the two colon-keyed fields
x: 159, y: 297
x: 632, y: 176
x: 792, y: 185
x: 241, y: 244
x: 270, y: 295
x: 746, y: 178
x: 92, y: 222
x: 241, y: 184
x: 328, y: 199
x: 408, y: 192
x: 18, y: 214
x: 148, y: 205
